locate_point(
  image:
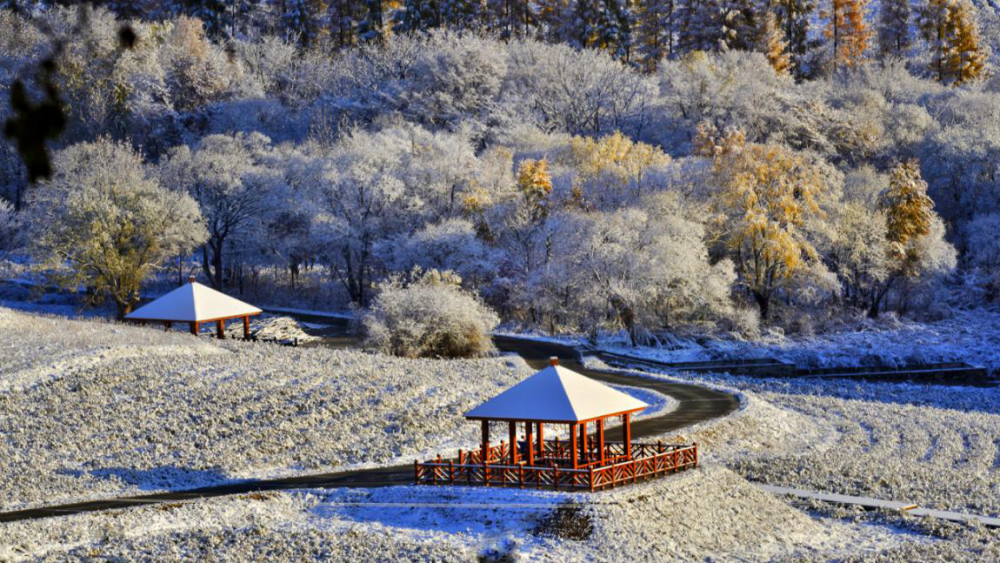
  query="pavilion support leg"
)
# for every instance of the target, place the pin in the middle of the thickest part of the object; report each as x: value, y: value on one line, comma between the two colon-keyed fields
x: 572, y: 445
x: 541, y: 441
x: 627, y: 434
x: 194, y: 328
x: 529, y: 443
x: 168, y: 325
x: 600, y: 438
x: 486, y: 441
x: 220, y: 330
x: 583, y: 442
x: 246, y: 328
x: 512, y: 431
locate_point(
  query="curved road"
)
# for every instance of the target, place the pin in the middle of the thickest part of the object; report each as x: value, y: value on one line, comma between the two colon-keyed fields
x: 696, y: 404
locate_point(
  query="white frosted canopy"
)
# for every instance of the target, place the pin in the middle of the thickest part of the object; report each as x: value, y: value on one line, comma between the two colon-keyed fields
x: 193, y: 302
x: 557, y: 394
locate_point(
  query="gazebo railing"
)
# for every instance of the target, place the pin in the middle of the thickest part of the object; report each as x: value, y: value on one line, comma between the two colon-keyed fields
x: 647, y: 461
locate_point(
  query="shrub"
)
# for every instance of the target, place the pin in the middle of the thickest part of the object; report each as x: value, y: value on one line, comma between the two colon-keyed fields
x: 430, y: 317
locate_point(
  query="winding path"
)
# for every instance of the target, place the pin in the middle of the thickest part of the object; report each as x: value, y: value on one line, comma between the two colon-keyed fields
x: 695, y: 404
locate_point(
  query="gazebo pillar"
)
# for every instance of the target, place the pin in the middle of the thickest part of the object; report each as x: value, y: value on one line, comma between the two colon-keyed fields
x: 220, y: 329
x: 600, y: 438
x: 627, y: 433
x: 486, y: 441
x: 512, y: 433
x: 246, y: 327
x: 583, y: 442
x: 541, y: 441
x: 529, y: 443
x: 572, y: 445
x: 194, y: 327
x: 167, y: 325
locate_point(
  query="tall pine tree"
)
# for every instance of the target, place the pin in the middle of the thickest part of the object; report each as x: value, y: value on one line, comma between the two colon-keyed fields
x: 655, y: 32
x: 794, y: 17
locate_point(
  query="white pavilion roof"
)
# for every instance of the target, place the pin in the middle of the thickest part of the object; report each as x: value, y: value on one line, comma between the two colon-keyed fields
x: 557, y: 394
x: 193, y: 302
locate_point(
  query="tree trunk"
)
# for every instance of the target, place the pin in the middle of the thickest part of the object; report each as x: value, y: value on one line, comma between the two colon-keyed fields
x: 763, y: 303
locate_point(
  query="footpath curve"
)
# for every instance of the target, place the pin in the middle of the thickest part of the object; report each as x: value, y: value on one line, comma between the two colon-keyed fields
x: 695, y: 404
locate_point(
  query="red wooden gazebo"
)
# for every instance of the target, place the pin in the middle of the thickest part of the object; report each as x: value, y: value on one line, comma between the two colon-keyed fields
x: 196, y: 304
x: 561, y: 397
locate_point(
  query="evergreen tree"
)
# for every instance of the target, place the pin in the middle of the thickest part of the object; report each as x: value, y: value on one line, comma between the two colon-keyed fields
x: 305, y: 20
x: 952, y: 35
x: 461, y: 14
x: 774, y: 46
x: 418, y: 15
x: 655, y: 32
x: 699, y: 25
x: 739, y: 25
x: 794, y: 16
x: 345, y: 18
x: 894, y: 27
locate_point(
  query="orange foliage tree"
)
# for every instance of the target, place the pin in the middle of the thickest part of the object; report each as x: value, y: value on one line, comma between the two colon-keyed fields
x: 848, y: 32
x: 949, y: 27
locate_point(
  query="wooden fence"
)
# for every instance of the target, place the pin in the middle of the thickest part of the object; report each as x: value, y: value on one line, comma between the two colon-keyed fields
x: 647, y: 461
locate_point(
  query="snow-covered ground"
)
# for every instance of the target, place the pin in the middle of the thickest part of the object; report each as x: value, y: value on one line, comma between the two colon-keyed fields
x: 93, y: 410
x: 705, y: 514
x: 970, y: 336
x: 97, y: 409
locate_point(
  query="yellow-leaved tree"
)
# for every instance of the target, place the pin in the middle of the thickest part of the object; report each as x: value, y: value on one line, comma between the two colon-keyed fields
x: 535, y: 184
x: 767, y: 195
x: 774, y: 46
x: 949, y: 27
x: 613, y: 168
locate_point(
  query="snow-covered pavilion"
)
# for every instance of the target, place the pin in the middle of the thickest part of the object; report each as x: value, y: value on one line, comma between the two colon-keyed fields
x: 557, y: 395
x: 196, y: 304
x: 560, y: 396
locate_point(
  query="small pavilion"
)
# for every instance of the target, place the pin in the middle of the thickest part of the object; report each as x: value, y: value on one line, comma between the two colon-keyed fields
x: 195, y: 304
x: 557, y: 395
x: 586, y: 460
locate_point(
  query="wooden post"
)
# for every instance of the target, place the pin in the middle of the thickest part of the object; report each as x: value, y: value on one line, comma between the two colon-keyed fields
x: 572, y: 445
x: 541, y: 441
x: 246, y: 327
x: 512, y: 433
x: 486, y: 442
x: 451, y: 472
x: 194, y: 328
x: 220, y: 329
x: 696, y: 454
x: 591, y: 478
x: 529, y: 443
x: 600, y: 438
x: 627, y: 423
x: 167, y: 325
x: 583, y: 443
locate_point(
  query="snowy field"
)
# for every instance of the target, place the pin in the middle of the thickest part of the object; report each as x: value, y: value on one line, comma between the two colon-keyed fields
x: 95, y: 410
x: 709, y: 513
x: 970, y: 336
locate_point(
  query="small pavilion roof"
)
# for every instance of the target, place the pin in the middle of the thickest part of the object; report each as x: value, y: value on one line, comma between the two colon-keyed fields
x: 193, y: 302
x: 557, y: 394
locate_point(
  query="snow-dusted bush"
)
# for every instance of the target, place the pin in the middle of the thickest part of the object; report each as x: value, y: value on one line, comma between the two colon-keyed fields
x: 431, y: 316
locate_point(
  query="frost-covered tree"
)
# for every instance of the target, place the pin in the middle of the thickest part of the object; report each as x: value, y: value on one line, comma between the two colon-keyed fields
x: 102, y: 222
x: 228, y: 177
x: 12, y: 230
x: 983, y: 242
x: 648, y: 267
x: 774, y: 46
x: 431, y: 316
x: 795, y: 17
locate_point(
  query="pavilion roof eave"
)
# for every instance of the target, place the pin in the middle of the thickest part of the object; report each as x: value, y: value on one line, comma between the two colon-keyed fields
x: 200, y: 321
x: 556, y: 421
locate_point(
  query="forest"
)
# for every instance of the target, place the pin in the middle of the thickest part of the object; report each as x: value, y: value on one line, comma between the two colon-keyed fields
x: 578, y: 166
